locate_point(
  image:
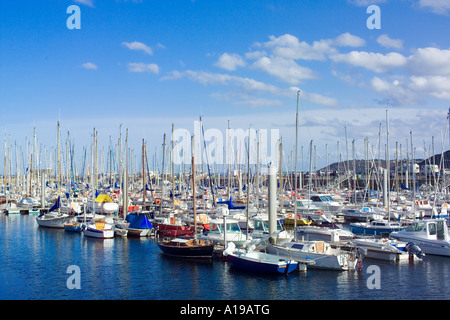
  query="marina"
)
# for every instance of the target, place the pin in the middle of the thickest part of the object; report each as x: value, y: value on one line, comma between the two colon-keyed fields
x: 35, y: 263
x: 225, y: 156
x: 127, y: 229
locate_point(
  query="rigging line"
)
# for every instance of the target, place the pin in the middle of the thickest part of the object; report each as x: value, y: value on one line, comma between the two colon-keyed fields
x: 207, y: 164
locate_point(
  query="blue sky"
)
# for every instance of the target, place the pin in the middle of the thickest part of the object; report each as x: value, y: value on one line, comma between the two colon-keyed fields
x: 147, y: 64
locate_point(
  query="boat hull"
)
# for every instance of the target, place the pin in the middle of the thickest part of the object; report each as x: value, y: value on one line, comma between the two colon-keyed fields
x: 261, y: 263
x: 53, y: 221
x: 179, y: 249
x: 341, y: 262
x: 432, y: 247
x: 137, y: 233
x: 99, y: 234
x: 368, y: 230
x: 73, y: 227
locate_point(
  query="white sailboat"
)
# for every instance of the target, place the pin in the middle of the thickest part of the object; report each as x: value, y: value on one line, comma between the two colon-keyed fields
x: 53, y: 219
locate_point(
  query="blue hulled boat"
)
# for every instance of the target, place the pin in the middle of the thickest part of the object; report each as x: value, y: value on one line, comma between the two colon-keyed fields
x: 256, y: 261
x: 376, y: 227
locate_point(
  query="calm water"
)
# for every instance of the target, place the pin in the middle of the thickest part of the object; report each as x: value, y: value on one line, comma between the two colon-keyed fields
x: 34, y: 264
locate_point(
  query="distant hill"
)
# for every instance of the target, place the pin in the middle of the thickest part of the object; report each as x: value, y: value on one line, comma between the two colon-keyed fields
x: 361, y: 164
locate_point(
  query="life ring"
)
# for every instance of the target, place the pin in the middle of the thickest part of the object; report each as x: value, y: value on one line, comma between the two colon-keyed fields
x: 158, y: 201
x: 290, y: 215
x: 299, y: 217
x: 416, y: 202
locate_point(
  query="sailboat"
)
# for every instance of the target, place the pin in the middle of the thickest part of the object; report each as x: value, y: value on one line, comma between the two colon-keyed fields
x: 188, y: 247
x: 100, y: 226
x: 53, y: 219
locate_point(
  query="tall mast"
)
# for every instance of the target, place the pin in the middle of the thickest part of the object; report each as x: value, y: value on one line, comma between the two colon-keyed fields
x: 143, y: 175
x: 193, y: 186
x: 295, y: 164
x: 59, y: 167
x: 173, y: 171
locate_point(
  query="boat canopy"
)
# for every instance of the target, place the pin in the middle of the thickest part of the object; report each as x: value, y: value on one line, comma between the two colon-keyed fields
x: 103, y: 198
x: 138, y: 221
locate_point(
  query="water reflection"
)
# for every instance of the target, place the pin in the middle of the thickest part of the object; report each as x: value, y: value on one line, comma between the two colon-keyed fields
x: 35, y: 260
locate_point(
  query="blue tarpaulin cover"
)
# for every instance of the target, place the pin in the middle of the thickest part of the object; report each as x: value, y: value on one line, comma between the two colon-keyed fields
x: 138, y: 221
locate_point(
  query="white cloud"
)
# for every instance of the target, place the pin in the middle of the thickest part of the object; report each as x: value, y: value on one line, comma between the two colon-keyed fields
x: 280, y: 55
x: 430, y: 61
x: 365, y: 3
x: 88, y: 3
x: 286, y: 70
x: 320, y: 99
x: 289, y: 47
x: 385, y: 41
x: 89, y: 66
x: 349, y: 40
x: 435, y: 86
x: 230, y: 62
x: 249, y: 87
x: 413, y: 90
x: 377, y: 62
x: 143, y: 67
x: 136, y: 45
x: 436, y: 6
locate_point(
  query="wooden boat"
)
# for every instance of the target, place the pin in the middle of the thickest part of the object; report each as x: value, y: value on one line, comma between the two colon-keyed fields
x: 256, y: 261
x: 186, y: 248
x: 172, y: 227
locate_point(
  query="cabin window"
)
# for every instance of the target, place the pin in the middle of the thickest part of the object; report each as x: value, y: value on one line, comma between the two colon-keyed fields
x: 315, y: 198
x: 416, y: 227
x: 440, y: 230
x: 215, y: 228
x: 432, y: 229
x: 259, y: 225
x: 233, y: 227
x: 297, y: 246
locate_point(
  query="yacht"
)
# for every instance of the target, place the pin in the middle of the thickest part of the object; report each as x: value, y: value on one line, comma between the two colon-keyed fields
x: 325, y: 202
x: 431, y: 235
x: 320, y: 253
x: 225, y: 230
